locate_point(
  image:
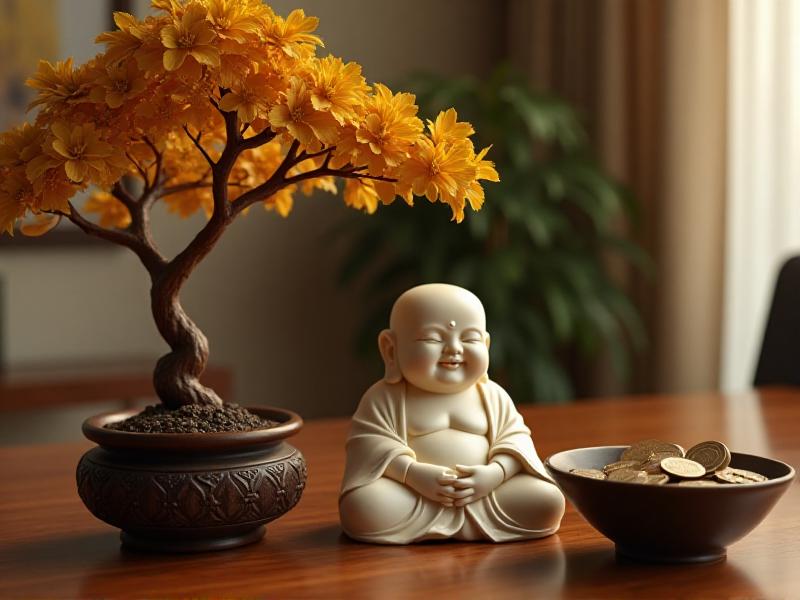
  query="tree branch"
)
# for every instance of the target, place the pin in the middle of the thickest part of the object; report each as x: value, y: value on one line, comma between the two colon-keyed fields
x: 352, y: 175
x: 303, y: 156
x: 191, y: 185
x: 139, y: 168
x: 232, y: 135
x: 276, y: 181
x: 150, y: 258
x: 183, y: 187
x: 180, y: 267
x: 159, y: 160
x: 324, y: 171
x: 124, y: 196
x: 257, y: 140
x: 199, y: 146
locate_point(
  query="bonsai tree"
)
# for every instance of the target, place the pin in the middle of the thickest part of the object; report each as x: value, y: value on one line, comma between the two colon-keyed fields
x: 217, y: 105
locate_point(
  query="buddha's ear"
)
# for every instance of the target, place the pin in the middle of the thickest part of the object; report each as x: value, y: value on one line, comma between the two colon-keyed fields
x: 485, y: 377
x: 387, y: 344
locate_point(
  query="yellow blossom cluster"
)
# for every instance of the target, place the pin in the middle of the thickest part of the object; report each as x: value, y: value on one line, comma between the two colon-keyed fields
x: 153, y: 105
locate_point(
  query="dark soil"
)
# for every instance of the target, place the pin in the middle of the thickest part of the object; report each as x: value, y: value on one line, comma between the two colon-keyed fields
x: 193, y: 418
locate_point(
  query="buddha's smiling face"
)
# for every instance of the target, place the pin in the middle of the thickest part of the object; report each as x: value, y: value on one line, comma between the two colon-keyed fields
x: 441, y: 341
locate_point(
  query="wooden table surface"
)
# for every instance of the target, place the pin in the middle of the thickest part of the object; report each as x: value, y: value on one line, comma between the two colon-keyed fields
x: 50, y: 546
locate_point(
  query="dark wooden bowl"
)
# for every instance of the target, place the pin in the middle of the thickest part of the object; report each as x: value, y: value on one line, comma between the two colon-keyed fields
x: 672, y: 524
x: 191, y: 492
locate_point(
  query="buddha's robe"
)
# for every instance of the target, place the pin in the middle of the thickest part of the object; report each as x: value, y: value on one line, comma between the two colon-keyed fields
x: 378, y: 435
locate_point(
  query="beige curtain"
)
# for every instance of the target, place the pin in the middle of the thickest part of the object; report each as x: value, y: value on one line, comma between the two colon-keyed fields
x: 650, y: 79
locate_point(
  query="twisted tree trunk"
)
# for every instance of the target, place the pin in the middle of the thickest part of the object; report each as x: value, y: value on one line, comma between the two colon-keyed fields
x: 176, y: 376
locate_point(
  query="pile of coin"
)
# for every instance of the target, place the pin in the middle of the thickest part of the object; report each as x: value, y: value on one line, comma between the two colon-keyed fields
x: 654, y: 462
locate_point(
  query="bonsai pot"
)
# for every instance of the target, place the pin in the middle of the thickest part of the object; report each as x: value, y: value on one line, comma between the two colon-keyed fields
x: 191, y: 492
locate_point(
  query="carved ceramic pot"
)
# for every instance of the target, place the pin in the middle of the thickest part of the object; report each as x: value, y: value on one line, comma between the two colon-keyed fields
x: 191, y: 492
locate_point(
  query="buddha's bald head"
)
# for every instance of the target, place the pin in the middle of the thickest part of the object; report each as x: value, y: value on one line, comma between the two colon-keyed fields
x: 436, y: 302
x: 437, y: 339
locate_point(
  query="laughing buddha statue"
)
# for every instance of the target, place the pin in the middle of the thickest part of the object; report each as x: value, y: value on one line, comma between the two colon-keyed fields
x: 437, y: 450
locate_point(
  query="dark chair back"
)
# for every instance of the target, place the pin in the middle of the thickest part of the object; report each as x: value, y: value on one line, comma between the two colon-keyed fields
x: 779, y: 363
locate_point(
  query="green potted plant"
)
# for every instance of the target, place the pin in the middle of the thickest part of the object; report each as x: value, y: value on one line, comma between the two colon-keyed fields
x: 213, y: 106
x: 535, y: 254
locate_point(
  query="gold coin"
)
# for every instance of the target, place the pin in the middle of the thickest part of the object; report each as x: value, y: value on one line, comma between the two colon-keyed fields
x: 659, y: 479
x: 652, y: 466
x: 622, y: 464
x: 713, y: 455
x: 590, y: 473
x: 647, y: 449
x: 731, y: 475
x: 628, y: 475
x: 698, y: 483
x: 683, y: 467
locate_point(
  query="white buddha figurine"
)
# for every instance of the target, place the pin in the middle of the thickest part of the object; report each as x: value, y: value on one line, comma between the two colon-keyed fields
x: 436, y: 449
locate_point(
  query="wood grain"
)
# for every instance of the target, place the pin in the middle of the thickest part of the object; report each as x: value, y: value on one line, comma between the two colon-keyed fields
x: 51, y: 546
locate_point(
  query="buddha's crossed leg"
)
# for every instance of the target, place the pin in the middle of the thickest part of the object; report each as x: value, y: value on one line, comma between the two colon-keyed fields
x: 387, y: 506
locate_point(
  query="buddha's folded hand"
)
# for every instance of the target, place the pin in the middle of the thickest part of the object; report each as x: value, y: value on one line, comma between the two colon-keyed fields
x: 435, y: 482
x: 480, y: 480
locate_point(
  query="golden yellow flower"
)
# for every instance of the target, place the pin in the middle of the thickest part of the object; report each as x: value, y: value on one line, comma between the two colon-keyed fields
x: 60, y: 84
x: 298, y: 116
x: 252, y: 98
x: 233, y: 69
x: 173, y: 7
x: 387, y: 132
x: 119, y: 82
x: 111, y: 211
x: 53, y: 189
x: 16, y: 196
x: 338, y: 88
x: 82, y: 151
x: 293, y: 34
x: 447, y: 130
x: 361, y: 195
x: 440, y: 172
x: 235, y: 19
x: 20, y: 145
x: 161, y: 113
x: 445, y: 167
x: 133, y: 38
x: 484, y: 170
x: 190, y: 35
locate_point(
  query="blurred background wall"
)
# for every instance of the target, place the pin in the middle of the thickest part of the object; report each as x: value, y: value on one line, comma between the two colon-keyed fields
x: 656, y: 85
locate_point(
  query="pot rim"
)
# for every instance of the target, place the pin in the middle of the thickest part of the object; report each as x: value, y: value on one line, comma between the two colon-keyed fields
x: 192, y: 443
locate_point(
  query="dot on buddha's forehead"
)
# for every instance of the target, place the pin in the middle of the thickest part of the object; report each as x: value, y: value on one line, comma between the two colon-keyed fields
x: 452, y: 324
